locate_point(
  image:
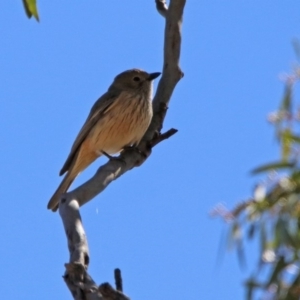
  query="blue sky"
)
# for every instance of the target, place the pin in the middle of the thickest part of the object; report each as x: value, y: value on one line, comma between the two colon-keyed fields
x: 153, y: 222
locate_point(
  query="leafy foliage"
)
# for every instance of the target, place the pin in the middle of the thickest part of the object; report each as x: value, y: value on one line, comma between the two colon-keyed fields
x: 272, y: 214
x: 31, y: 9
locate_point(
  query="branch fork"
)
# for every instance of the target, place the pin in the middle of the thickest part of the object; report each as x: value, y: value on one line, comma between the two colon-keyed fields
x: 79, y: 282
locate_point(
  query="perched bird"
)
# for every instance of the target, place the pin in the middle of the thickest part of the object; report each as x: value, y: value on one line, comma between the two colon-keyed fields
x: 119, y: 118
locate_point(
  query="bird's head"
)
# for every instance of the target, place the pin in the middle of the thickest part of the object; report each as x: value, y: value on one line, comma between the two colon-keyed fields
x: 134, y: 80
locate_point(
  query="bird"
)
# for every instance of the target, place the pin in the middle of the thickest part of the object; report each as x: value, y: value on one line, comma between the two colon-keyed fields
x: 118, y: 119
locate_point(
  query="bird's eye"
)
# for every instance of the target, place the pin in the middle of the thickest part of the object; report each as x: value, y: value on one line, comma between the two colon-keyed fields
x: 136, y: 78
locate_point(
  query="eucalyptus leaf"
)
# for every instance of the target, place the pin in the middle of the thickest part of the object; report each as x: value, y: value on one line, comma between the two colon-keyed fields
x: 286, y: 143
x: 281, y: 264
x: 286, y: 104
x: 31, y: 9
x: 252, y: 284
x: 263, y: 238
x: 295, y: 138
x: 273, y: 166
x: 294, y: 291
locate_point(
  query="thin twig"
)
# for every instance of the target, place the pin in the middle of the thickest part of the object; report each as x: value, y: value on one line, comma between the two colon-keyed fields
x: 118, y: 280
x: 163, y: 136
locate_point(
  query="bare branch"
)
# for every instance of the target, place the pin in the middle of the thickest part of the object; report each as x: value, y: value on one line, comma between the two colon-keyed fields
x: 80, y: 283
x: 111, y: 294
x: 118, y: 280
x: 76, y: 277
x: 83, y: 287
x: 77, y: 241
x: 170, y: 76
x: 163, y: 136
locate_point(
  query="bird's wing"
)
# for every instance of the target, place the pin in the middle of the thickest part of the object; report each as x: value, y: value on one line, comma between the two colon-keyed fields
x: 98, y: 109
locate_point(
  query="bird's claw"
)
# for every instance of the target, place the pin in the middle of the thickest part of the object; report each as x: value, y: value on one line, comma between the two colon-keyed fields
x: 107, y: 155
x: 111, y: 158
x: 136, y: 149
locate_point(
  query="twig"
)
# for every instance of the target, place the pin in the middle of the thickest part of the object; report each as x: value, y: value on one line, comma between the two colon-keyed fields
x: 163, y: 136
x: 118, y: 280
x: 170, y: 76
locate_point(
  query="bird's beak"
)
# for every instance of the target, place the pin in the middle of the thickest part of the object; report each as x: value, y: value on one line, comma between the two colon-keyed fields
x: 153, y: 75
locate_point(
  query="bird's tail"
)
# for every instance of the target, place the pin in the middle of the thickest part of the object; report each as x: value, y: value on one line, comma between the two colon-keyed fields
x: 63, y: 187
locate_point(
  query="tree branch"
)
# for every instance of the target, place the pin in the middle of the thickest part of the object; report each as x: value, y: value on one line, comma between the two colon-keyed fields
x: 161, y: 7
x: 109, y: 293
x: 76, y: 277
x: 170, y: 76
x: 118, y: 280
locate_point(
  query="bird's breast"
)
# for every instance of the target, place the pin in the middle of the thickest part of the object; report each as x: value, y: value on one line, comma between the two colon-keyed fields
x: 124, y: 123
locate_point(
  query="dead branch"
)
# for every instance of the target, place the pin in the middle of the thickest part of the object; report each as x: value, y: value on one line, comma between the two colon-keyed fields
x: 170, y: 76
x: 76, y: 277
x: 118, y: 280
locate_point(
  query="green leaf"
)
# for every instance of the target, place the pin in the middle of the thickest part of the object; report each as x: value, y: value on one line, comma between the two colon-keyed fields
x: 281, y: 264
x: 273, y: 166
x: 236, y: 240
x: 286, y: 143
x: 289, y: 239
x: 278, y: 235
x: 286, y: 104
x: 295, y: 138
x: 293, y: 291
x: 233, y: 235
x: 251, y: 285
x: 295, y: 180
x: 287, y: 138
x: 241, y: 254
x: 251, y: 231
x: 31, y: 9
x: 236, y: 231
x: 263, y: 239
x: 283, y: 237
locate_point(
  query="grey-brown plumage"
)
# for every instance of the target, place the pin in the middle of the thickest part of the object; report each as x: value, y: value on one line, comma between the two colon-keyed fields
x: 119, y: 118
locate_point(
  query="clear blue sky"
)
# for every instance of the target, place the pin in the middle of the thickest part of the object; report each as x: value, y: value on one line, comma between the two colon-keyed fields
x: 154, y: 222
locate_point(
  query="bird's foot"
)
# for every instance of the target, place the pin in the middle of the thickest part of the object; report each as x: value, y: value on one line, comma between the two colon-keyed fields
x: 143, y: 153
x: 134, y: 148
x: 112, y: 158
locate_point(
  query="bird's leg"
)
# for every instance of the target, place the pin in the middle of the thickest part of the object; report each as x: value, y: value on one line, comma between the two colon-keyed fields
x: 144, y: 153
x: 134, y: 148
x: 110, y: 157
